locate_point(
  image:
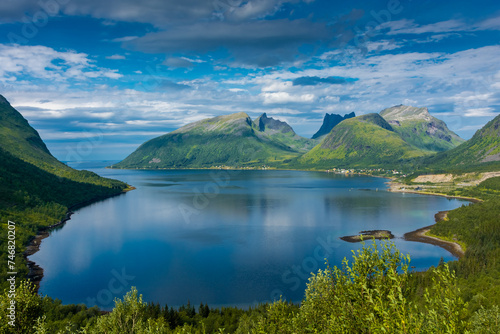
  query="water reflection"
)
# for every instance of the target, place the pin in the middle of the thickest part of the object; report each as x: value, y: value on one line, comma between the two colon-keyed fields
x: 252, y: 235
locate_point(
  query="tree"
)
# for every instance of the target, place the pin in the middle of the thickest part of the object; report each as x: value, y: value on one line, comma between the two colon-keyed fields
x: 370, y: 295
x: 27, y: 309
x: 126, y: 317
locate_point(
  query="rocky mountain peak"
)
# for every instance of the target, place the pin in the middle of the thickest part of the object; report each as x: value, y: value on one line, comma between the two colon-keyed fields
x: 329, y: 122
x: 404, y: 113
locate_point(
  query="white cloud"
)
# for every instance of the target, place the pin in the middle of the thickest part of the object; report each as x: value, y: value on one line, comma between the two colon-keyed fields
x: 199, y: 61
x: 276, y: 86
x: 410, y: 102
x: 284, y: 97
x: 441, y: 29
x: 406, y: 26
x: 480, y: 112
x: 471, y: 127
x: 116, y: 57
x: 124, y: 39
x: 277, y: 111
x: 57, y: 135
x: 331, y: 99
x: 384, y: 45
x: 46, y: 63
x: 468, y: 98
x: 489, y: 24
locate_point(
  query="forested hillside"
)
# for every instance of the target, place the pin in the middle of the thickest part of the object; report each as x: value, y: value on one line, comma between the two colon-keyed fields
x: 36, y: 190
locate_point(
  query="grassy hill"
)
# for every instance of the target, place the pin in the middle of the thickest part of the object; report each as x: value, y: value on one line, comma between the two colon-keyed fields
x: 418, y: 128
x: 364, y: 141
x: 230, y: 140
x: 480, y: 153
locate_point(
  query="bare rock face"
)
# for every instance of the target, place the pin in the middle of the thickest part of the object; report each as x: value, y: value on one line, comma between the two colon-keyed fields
x: 420, y: 129
x: 268, y: 123
x: 329, y: 122
x: 404, y: 113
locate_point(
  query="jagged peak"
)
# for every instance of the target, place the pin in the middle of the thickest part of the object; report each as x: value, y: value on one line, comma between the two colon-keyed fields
x: 263, y: 122
x: 329, y: 122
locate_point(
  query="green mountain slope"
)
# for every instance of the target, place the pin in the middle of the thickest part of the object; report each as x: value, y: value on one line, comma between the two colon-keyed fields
x: 36, y: 190
x: 25, y: 186
x: 283, y: 133
x: 364, y: 141
x: 230, y: 140
x: 18, y: 138
x: 481, y: 152
x: 28, y: 168
x: 418, y: 128
x: 21, y: 140
x: 329, y: 122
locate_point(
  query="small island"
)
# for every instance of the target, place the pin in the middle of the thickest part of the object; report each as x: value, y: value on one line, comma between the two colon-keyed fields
x: 367, y: 235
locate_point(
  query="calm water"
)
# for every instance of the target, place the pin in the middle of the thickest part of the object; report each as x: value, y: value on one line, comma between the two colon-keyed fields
x: 224, y: 238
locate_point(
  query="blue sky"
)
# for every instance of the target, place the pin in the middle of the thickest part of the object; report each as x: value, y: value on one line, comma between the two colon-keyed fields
x: 98, y: 78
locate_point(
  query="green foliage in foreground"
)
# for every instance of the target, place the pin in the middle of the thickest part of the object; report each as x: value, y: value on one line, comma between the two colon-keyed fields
x: 370, y: 294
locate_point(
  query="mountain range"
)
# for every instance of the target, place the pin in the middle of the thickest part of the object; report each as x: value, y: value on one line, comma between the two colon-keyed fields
x: 232, y: 140
x: 400, y: 136
x: 395, y: 137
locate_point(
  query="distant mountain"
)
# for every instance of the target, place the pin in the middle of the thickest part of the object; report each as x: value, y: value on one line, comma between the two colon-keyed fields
x: 363, y: 141
x: 479, y: 152
x: 230, y: 140
x: 283, y: 133
x: 329, y: 122
x: 418, y: 128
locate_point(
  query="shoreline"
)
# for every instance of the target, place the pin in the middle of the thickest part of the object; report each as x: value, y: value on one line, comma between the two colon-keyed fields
x: 420, y: 235
x: 35, y: 272
x: 393, y: 187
